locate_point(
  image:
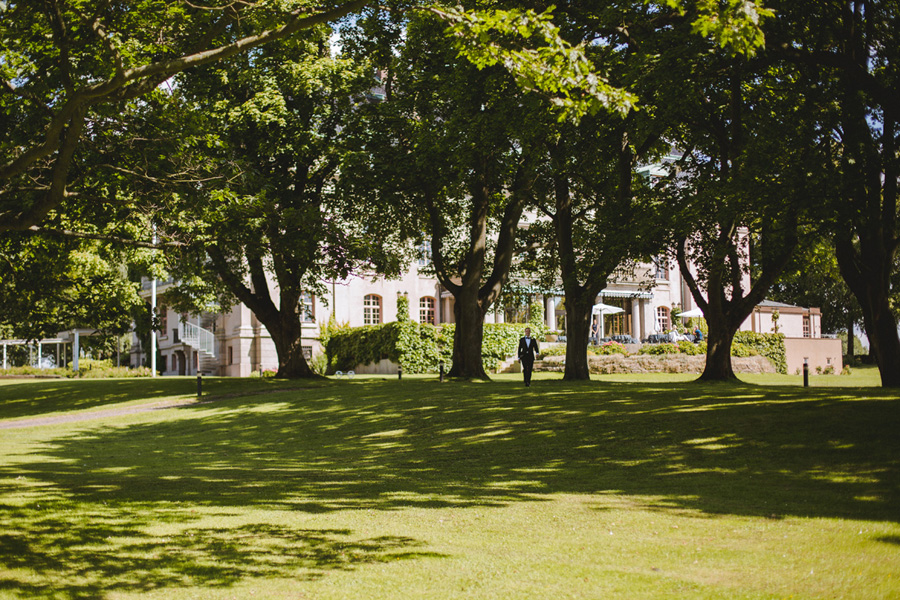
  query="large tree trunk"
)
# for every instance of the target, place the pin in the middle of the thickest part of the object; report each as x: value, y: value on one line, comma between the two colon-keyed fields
x: 578, y: 325
x: 869, y: 280
x: 718, y: 353
x: 851, y: 339
x: 283, y: 323
x: 881, y: 328
x: 289, y: 347
x: 468, y: 336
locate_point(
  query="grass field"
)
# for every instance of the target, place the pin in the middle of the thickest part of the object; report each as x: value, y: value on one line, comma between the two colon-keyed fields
x: 622, y: 487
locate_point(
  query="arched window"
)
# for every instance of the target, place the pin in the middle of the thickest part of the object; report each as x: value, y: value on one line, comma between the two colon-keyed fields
x: 426, y: 310
x: 372, y: 309
x: 662, y: 319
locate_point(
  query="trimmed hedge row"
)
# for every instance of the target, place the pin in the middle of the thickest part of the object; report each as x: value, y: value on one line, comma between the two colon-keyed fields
x: 417, y: 347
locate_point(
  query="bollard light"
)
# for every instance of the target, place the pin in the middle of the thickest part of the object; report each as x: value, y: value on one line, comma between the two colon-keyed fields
x: 441, y: 365
x: 199, y: 384
x: 805, y: 371
x: 399, y: 371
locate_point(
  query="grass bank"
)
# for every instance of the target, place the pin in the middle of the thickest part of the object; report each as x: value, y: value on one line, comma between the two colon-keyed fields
x: 373, y: 488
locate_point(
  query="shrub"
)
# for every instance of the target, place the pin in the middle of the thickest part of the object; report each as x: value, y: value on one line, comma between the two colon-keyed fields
x: 691, y: 349
x: 608, y: 348
x: 666, y: 348
x: 88, y: 364
x: 416, y: 347
x: 28, y: 371
x: 743, y: 350
x: 558, y: 350
x: 770, y: 345
x: 102, y: 373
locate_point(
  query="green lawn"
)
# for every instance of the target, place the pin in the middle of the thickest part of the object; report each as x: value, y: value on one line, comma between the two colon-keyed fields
x: 623, y: 487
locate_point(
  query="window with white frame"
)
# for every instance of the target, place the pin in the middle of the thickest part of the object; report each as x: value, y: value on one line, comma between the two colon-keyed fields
x: 662, y: 268
x: 307, y: 308
x: 424, y: 253
x: 807, y: 330
x: 426, y: 310
x: 662, y: 319
x: 372, y: 309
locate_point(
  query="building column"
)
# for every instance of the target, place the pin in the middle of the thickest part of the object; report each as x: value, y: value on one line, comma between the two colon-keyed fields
x: 76, y: 350
x: 550, y: 312
x: 636, y: 318
x: 650, y: 318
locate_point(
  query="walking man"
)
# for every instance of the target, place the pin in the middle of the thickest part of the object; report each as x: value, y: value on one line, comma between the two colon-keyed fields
x: 528, y: 348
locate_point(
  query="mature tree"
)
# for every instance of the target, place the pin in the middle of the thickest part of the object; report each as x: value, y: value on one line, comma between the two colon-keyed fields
x: 50, y: 284
x: 602, y: 217
x: 752, y: 141
x: 850, y: 48
x: 813, y: 278
x: 268, y: 126
x: 62, y: 61
x: 449, y: 145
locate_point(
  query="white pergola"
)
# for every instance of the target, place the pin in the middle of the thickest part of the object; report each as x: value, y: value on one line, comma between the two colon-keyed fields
x: 60, y: 341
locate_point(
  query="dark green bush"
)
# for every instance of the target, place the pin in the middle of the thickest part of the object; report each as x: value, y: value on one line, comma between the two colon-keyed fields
x: 770, y: 345
x: 416, y: 347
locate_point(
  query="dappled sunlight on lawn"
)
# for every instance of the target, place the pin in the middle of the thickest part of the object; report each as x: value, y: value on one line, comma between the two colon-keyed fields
x: 356, y: 445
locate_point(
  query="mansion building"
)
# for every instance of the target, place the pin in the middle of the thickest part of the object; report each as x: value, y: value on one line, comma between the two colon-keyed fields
x: 235, y: 343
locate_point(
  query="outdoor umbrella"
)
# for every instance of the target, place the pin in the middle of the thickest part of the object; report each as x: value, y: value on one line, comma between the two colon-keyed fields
x: 605, y: 309
x: 694, y: 312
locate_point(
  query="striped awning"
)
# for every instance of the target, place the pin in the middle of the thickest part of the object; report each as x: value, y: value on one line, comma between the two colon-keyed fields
x: 626, y: 294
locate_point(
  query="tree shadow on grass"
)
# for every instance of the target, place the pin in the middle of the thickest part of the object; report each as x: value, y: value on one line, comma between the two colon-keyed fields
x: 740, y: 450
x: 98, y: 552
x: 758, y: 451
x: 35, y: 398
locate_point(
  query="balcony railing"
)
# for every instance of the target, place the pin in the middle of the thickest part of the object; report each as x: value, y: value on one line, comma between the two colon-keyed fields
x: 199, y: 338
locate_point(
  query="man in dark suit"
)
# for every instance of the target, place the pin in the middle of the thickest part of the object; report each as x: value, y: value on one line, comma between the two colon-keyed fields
x: 528, y: 348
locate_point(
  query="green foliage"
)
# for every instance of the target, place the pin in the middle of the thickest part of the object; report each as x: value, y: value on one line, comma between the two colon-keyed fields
x: 655, y: 349
x: 557, y: 350
x: 87, y: 364
x: 97, y: 369
x: 553, y: 67
x: 402, y: 308
x: 608, y: 348
x: 733, y: 24
x: 536, y: 319
x: 858, y: 348
x: 416, y: 347
x: 691, y: 348
x: 770, y: 345
x: 109, y: 372
x: 743, y: 350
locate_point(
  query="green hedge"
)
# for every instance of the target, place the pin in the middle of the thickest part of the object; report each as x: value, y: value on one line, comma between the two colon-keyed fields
x: 770, y: 345
x: 416, y: 347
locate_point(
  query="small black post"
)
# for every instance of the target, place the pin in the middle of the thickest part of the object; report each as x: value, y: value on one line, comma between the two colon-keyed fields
x: 441, y: 363
x: 199, y: 384
x: 805, y: 371
x: 399, y: 371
